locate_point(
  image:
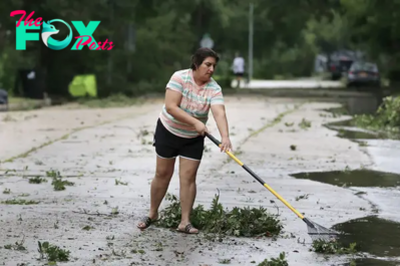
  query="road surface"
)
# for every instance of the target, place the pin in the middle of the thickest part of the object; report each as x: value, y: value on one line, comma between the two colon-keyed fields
x: 95, y: 147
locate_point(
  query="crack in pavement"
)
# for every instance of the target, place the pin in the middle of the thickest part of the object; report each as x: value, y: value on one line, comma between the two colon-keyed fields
x: 274, y: 122
x: 65, y: 136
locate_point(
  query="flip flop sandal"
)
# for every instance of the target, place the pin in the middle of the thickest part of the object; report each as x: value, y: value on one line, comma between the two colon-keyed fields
x: 147, y: 221
x: 187, y: 230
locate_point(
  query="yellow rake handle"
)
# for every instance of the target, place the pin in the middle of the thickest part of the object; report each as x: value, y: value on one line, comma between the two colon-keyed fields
x: 218, y: 143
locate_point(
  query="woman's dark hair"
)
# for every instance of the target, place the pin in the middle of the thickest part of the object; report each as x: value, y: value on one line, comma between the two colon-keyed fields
x: 201, y: 54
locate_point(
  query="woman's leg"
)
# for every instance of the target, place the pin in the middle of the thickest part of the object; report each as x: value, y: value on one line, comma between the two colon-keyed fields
x: 159, y: 187
x: 166, y: 156
x: 160, y: 183
x: 187, y: 175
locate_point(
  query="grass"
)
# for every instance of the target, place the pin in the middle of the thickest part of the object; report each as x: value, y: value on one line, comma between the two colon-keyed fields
x: 19, y: 202
x: 19, y: 100
x: 24, y: 104
x: 116, y: 100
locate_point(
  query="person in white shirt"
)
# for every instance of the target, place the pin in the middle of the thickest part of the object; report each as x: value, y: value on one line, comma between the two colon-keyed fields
x: 238, y: 68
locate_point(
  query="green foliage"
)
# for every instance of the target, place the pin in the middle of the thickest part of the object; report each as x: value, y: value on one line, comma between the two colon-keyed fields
x: 333, y: 247
x: 57, y: 182
x: 328, y: 32
x: 10, y: 61
x: 279, y: 261
x: 246, y: 222
x: 389, y: 112
x: 37, y: 180
x: 19, y: 202
x: 224, y: 81
x: 115, y: 100
x: 167, y: 32
x: 386, y: 119
x: 52, y: 252
x: 375, y: 27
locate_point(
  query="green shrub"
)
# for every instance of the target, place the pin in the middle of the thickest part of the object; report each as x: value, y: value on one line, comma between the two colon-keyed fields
x: 280, y: 261
x: 387, y: 117
x: 332, y: 247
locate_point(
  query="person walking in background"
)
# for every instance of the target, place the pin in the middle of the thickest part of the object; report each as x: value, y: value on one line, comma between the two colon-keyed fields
x: 180, y: 131
x: 238, y: 68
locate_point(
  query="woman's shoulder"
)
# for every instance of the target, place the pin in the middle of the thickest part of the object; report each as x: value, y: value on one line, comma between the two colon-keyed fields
x: 182, y: 75
x: 213, y: 84
x: 181, y: 72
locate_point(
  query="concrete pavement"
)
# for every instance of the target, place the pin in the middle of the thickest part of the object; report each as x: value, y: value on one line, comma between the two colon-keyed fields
x: 115, y: 146
x: 289, y: 84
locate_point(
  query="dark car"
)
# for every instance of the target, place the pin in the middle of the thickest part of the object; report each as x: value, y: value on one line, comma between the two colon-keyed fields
x: 3, y: 99
x: 364, y: 74
x: 339, y: 62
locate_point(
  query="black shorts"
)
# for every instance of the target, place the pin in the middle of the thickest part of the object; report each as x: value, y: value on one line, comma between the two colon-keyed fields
x: 239, y: 74
x: 169, y: 146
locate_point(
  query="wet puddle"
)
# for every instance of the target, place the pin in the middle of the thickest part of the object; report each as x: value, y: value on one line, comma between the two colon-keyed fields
x: 372, y: 262
x: 350, y: 132
x: 354, y: 178
x: 347, y: 130
x: 373, y: 235
x: 353, y: 134
x: 343, y: 123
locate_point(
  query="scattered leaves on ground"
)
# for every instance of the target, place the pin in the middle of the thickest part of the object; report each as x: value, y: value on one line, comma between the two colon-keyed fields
x: 332, y: 247
x: 247, y: 222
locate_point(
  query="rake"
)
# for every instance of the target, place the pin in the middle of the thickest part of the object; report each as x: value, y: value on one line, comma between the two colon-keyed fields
x: 315, y: 231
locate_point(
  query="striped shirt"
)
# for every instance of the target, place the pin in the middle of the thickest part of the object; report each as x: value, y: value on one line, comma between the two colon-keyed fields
x: 196, y: 101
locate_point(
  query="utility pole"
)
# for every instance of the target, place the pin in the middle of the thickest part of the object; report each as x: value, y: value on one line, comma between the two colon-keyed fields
x: 110, y: 61
x: 250, y: 64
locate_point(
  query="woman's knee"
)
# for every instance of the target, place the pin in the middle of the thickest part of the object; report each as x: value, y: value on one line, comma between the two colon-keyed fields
x: 188, y: 170
x: 164, y: 169
x: 188, y: 175
x: 164, y: 173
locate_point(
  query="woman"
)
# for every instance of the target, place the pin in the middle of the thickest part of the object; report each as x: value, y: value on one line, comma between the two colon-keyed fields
x: 180, y: 131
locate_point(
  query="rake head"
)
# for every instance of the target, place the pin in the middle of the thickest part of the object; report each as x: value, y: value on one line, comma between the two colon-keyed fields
x: 318, y: 232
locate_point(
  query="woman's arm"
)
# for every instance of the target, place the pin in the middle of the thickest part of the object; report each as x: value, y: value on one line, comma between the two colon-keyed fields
x: 173, y: 97
x: 219, y: 114
x: 172, y: 101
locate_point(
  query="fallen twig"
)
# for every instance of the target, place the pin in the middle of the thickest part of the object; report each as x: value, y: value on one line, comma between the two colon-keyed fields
x: 93, y: 214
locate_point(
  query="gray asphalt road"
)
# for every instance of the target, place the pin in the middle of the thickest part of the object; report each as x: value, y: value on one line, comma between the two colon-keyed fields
x: 94, y: 148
